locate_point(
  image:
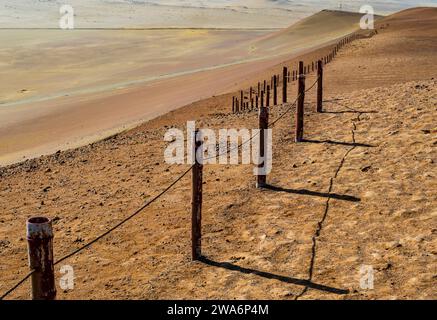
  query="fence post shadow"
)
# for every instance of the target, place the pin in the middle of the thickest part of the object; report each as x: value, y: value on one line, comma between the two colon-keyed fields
x: 267, y: 275
x: 306, y: 192
x: 349, y: 144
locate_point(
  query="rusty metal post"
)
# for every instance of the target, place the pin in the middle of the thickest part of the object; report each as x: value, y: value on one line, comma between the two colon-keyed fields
x: 196, y: 203
x: 40, y: 252
x: 259, y: 89
x: 237, y: 108
x: 242, y: 100
x: 233, y: 104
x: 319, y: 86
x: 263, y: 116
x: 268, y: 97
x: 300, y: 104
x: 256, y: 102
x: 275, y: 90
x: 251, y: 98
x: 262, y: 99
x: 284, y: 84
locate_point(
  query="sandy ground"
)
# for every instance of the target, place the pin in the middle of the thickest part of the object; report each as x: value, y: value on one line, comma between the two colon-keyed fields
x: 79, y: 93
x: 359, y: 191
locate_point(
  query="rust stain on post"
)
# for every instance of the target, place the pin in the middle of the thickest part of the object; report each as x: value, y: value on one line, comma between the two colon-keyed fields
x: 40, y: 250
x: 300, y: 104
x: 275, y: 90
x: 319, y: 86
x: 196, y: 204
x: 268, y: 97
x: 263, y: 117
x: 285, y: 78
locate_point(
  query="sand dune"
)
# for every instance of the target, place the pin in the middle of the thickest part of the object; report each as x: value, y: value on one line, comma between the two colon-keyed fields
x: 176, y: 13
x: 63, y: 90
x: 375, y: 143
x: 321, y: 27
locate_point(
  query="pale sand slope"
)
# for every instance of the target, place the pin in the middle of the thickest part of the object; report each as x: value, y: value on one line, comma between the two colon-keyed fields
x: 94, y: 83
x: 185, y: 14
x: 134, y: 14
x: 390, y: 170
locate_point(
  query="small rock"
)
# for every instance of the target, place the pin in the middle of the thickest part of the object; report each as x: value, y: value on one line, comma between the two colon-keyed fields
x: 366, y: 168
x: 78, y: 239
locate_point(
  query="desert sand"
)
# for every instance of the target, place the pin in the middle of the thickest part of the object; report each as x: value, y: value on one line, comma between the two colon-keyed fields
x: 178, y: 14
x: 359, y: 191
x: 64, y: 89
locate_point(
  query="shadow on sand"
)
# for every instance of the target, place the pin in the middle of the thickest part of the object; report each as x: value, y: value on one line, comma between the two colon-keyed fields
x: 267, y: 275
x: 350, y: 144
x: 314, y: 193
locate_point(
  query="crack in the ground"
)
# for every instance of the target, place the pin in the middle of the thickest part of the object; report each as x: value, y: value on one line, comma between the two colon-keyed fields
x: 325, y: 213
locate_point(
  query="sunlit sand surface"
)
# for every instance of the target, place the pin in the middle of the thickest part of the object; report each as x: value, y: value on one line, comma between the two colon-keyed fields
x: 62, y: 89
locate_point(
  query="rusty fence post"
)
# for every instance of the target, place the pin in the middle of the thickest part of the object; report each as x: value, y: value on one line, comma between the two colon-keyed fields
x: 268, y: 97
x: 262, y: 99
x: 242, y: 100
x: 275, y: 90
x: 196, y: 200
x: 319, y: 86
x: 300, y: 104
x: 263, y: 116
x: 40, y: 251
x: 251, y: 98
x: 285, y: 74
